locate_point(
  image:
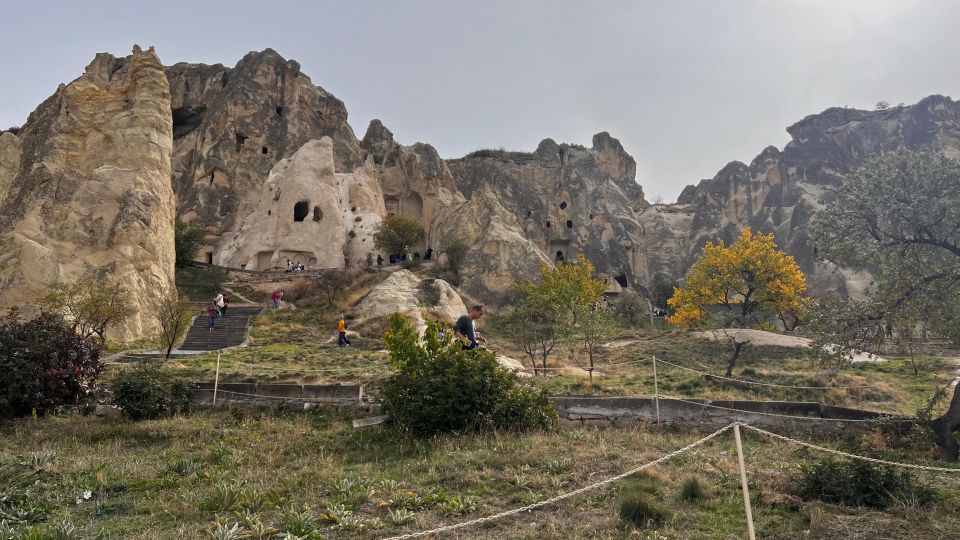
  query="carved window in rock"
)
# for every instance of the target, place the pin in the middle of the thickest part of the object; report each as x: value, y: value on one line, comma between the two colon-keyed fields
x: 569, y: 223
x: 300, y: 210
x: 317, y: 214
x: 563, y: 205
x: 392, y: 206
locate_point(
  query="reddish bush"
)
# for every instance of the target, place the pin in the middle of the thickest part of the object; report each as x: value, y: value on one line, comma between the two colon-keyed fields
x: 44, y: 364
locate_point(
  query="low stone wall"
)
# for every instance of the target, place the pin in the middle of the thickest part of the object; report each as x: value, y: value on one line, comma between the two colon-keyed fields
x: 303, y: 396
x: 775, y: 414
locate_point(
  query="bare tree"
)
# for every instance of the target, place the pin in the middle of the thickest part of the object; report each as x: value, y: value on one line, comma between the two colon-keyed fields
x: 173, y: 316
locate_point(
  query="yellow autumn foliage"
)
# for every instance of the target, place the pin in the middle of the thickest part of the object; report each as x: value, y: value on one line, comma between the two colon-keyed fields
x: 747, y: 277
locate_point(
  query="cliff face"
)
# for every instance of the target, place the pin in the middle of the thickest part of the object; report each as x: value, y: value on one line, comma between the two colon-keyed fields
x: 563, y: 200
x: 231, y: 126
x: 267, y: 164
x: 780, y: 191
x: 85, y: 187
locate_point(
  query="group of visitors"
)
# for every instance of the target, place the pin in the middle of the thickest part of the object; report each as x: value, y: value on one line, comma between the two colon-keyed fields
x: 275, y: 298
x: 398, y: 258
x: 216, y: 309
x: 294, y: 267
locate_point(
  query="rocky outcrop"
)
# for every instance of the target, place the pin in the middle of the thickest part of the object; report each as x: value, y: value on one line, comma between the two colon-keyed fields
x: 91, y: 191
x: 561, y: 200
x: 780, y: 191
x: 308, y: 213
x: 404, y: 292
x: 233, y: 125
x: 414, y: 179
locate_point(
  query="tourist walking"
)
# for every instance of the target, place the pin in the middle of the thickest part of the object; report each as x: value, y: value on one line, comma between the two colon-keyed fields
x: 212, y: 314
x: 226, y: 304
x: 466, y: 328
x: 275, y: 299
x: 218, y: 301
x: 342, y: 340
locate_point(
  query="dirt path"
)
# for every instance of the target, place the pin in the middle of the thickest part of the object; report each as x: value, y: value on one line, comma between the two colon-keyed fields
x: 238, y: 295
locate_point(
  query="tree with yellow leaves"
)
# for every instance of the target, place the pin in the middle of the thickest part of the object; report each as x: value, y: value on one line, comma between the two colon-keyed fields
x: 745, y: 280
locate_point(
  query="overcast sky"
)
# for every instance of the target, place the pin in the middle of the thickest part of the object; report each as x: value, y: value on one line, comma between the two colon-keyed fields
x: 685, y: 86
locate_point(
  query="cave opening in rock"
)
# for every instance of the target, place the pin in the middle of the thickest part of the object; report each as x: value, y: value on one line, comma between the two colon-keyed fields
x: 317, y: 214
x: 300, y: 210
x: 187, y: 119
x: 279, y: 110
x: 621, y: 279
x: 548, y: 224
x: 264, y: 150
x: 569, y: 224
x: 241, y: 138
x: 209, y: 257
x: 563, y: 205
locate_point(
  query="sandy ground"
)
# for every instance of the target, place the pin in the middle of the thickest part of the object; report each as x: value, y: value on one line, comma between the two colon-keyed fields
x: 761, y: 337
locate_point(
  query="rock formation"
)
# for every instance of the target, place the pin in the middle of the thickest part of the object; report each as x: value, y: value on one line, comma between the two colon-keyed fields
x: 266, y: 163
x: 403, y: 292
x: 307, y: 213
x: 231, y: 126
x: 85, y: 187
x: 780, y: 191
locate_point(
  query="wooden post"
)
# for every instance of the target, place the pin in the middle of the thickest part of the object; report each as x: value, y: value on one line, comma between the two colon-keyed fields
x: 743, y: 483
x: 656, y: 389
x: 216, y: 379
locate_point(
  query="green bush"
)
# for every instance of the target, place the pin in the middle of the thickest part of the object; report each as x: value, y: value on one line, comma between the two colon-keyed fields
x: 147, y: 391
x: 638, y: 507
x: 44, y: 364
x: 692, y: 489
x: 438, y: 387
x: 858, y: 483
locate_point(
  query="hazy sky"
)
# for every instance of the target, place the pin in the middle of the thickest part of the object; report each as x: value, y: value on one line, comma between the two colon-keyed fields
x: 685, y: 86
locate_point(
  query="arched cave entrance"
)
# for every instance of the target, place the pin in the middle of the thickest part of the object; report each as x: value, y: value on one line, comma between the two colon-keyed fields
x: 300, y: 210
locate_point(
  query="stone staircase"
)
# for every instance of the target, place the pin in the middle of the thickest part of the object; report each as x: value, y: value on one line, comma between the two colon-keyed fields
x: 229, y: 331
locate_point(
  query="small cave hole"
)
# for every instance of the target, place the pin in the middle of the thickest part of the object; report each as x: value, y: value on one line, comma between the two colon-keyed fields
x: 279, y: 110
x: 300, y: 210
x: 240, y: 140
x: 269, y: 212
x: 209, y: 257
x: 529, y: 213
x: 591, y: 216
x: 264, y: 150
x: 317, y: 214
x: 569, y: 224
x: 563, y: 205
x: 548, y: 224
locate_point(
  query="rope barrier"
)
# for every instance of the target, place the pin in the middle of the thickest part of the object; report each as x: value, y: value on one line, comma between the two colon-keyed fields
x: 759, y: 383
x: 795, y: 417
x: 853, y: 456
x: 562, y: 496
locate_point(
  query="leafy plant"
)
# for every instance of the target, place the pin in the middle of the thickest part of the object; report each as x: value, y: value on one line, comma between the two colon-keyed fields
x: 439, y: 387
x: 186, y: 242
x: 692, y: 489
x: 397, y: 233
x: 401, y: 516
x: 44, y: 364
x: 223, y: 530
x: 857, y: 483
x: 224, y: 497
x: 147, y: 391
x: 92, y: 305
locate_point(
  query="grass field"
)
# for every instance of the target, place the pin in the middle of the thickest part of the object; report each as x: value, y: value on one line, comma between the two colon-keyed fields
x: 311, y: 475
x: 174, y: 478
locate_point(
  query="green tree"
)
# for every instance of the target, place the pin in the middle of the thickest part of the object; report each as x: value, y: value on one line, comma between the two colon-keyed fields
x: 92, y: 306
x: 548, y: 310
x: 397, y: 234
x: 187, y: 240
x: 594, y: 327
x: 456, y: 251
x: 897, y: 218
x: 630, y: 306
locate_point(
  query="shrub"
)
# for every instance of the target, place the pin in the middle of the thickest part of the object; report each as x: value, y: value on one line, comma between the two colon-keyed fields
x: 146, y: 391
x: 638, y: 506
x: 857, y: 483
x: 44, y: 364
x: 187, y: 241
x: 438, y: 387
x: 692, y: 490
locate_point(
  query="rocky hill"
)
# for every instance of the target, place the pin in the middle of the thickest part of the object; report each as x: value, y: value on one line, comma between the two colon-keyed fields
x: 267, y: 163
